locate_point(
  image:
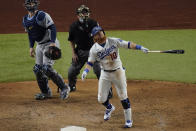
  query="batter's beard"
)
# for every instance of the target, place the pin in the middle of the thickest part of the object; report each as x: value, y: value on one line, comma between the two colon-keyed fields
x: 100, y: 40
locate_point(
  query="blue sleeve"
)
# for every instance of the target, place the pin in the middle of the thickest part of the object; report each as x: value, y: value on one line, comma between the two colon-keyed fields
x: 31, y: 42
x: 53, y: 32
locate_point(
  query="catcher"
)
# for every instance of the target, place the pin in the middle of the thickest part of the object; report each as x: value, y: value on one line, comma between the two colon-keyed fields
x: 41, y: 29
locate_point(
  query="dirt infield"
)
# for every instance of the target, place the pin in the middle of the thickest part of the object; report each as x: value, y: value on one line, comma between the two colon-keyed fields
x: 159, y: 106
x: 111, y: 14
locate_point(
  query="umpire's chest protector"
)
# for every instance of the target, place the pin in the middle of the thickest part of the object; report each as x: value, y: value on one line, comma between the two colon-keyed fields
x: 34, y: 30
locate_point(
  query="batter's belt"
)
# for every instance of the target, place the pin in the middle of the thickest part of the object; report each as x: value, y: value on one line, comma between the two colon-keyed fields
x: 109, y: 71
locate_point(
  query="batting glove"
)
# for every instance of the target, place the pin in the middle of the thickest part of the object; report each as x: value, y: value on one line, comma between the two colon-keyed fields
x: 84, y: 74
x: 145, y: 50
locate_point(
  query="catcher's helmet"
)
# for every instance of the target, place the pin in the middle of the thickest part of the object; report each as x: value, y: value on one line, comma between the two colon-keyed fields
x: 96, y: 29
x: 31, y: 5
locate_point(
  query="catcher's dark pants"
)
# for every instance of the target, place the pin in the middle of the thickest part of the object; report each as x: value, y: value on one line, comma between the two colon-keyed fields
x: 75, y: 68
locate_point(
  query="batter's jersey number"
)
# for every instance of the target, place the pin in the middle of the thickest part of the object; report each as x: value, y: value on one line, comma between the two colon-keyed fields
x: 113, y: 55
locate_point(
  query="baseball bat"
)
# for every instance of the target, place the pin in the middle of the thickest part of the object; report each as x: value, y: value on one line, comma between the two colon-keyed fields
x: 167, y: 51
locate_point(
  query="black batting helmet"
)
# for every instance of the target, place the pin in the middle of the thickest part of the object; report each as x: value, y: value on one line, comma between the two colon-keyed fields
x: 31, y: 5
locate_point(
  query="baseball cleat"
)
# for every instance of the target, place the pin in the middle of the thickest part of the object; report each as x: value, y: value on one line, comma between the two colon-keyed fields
x: 64, y: 93
x: 128, y: 124
x: 43, y: 96
x: 108, y: 113
x: 72, y: 89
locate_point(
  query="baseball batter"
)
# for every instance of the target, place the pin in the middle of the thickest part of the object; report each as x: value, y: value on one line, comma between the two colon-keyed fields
x: 41, y: 29
x: 106, y: 51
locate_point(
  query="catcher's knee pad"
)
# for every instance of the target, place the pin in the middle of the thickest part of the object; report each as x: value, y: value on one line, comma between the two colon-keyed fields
x: 55, y: 77
x: 126, y: 103
x: 42, y: 80
x: 37, y: 68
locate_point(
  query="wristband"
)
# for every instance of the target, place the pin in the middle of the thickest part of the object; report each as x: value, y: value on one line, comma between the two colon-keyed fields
x: 138, y: 47
x: 90, y: 64
x: 86, y: 70
x: 129, y: 45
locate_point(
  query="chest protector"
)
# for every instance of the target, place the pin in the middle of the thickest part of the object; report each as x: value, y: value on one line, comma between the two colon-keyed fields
x: 31, y: 25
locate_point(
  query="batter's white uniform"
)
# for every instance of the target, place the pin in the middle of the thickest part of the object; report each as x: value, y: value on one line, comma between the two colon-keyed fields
x: 112, y: 71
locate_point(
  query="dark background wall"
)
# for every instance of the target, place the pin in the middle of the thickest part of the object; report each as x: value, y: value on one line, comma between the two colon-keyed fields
x: 111, y: 14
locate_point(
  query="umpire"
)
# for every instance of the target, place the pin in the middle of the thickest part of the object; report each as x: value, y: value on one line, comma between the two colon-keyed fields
x: 81, y: 41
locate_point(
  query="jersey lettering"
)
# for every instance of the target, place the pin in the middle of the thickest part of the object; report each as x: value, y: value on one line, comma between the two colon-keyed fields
x: 106, y: 52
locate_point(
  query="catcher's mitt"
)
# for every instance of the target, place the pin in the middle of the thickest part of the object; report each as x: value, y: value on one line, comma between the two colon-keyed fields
x: 53, y: 53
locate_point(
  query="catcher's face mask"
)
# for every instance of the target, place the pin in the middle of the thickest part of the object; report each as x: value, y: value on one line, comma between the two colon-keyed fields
x: 31, y: 5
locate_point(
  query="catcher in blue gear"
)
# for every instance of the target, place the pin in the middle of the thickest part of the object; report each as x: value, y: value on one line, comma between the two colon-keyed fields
x: 41, y: 30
